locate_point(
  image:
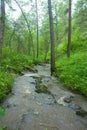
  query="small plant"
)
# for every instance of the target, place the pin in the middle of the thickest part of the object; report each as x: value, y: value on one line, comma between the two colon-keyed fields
x: 2, y: 111
x: 4, y: 128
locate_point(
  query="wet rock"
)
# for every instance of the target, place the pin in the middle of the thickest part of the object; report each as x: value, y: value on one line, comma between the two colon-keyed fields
x: 20, y: 73
x: 36, y: 113
x: 61, y: 101
x: 74, y: 106
x: 68, y: 99
x: 41, y: 88
x: 65, y: 100
x: 32, y: 82
x: 31, y: 69
x: 39, y: 80
x: 81, y: 113
x: 10, y: 105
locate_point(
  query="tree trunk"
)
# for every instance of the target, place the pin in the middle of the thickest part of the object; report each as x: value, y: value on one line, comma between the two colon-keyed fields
x: 37, y: 29
x: 2, y: 27
x: 69, y: 31
x: 51, y: 38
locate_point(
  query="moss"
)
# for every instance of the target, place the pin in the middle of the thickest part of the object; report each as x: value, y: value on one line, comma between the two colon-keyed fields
x: 41, y: 88
x: 31, y: 69
x: 81, y: 113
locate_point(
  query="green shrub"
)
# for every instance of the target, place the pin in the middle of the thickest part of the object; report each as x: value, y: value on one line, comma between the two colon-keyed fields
x: 6, y: 81
x: 15, y: 62
x: 73, y: 72
x: 62, y: 47
x: 12, y: 62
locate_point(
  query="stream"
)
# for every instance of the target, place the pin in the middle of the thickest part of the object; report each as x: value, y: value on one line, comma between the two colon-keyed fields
x: 26, y: 109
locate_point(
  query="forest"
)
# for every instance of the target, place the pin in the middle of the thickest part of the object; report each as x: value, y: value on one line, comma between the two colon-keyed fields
x: 34, y: 32
x: 43, y: 64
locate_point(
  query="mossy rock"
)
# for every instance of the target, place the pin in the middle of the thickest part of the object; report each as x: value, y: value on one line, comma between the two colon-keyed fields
x: 39, y: 80
x: 31, y: 69
x: 81, y: 113
x: 41, y: 88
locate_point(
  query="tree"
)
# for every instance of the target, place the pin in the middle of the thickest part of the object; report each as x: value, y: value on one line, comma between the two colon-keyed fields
x: 69, y: 31
x: 28, y: 26
x: 80, y: 17
x: 37, y: 28
x: 2, y: 27
x: 51, y: 38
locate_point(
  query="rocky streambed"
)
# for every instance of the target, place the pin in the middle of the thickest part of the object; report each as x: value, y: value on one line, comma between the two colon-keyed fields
x: 39, y: 102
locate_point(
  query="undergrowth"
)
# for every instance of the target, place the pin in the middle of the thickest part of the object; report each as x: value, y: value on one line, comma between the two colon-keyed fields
x: 12, y: 63
x: 73, y: 71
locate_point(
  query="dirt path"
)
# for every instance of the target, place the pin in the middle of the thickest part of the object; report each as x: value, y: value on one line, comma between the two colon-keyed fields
x: 28, y: 110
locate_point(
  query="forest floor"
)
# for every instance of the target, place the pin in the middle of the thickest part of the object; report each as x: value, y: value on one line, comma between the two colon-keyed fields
x: 57, y: 109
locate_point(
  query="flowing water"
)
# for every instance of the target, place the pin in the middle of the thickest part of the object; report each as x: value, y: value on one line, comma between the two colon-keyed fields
x: 27, y: 110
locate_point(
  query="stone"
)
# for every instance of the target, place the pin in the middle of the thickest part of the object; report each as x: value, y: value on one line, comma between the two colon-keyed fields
x: 68, y: 99
x: 81, y: 113
x: 41, y: 88
x: 74, y: 106
x: 36, y: 113
x: 31, y: 69
x: 61, y: 101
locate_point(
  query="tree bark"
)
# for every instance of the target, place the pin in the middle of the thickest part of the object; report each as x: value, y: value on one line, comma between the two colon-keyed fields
x: 2, y: 27
x: 69, y: 31
x: 51, y: 38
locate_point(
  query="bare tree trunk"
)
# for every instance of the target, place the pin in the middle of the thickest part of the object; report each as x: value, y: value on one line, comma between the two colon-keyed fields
x: 69, y: 31
x: 37, y: 30
x: 2, y: 27
x: 51, y: 38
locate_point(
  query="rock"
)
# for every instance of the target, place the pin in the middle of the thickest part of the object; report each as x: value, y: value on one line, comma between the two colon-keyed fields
x: 74, y: 106
x: 33, y: 83
x: 39, y: 80
x: 68, y: 99
x: 41, y: 88
x: 36, y: 113
x: 61, y: 101
x: 81, y: 113
x: 31, y: 69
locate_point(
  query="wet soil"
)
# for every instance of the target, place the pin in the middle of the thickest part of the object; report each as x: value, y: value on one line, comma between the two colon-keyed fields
x: 26, y: 109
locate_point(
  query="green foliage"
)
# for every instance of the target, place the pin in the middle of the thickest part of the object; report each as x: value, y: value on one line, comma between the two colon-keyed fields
x: 77, y: 40
x: 6, y: 81
x: 4, y: 128
x: 73, y: 72
x: 15, y: 62
x: 61, y: 49
x: 2, y: 111
x: 77, y: 43
x: 48, y: 57
x: 12, y: 62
